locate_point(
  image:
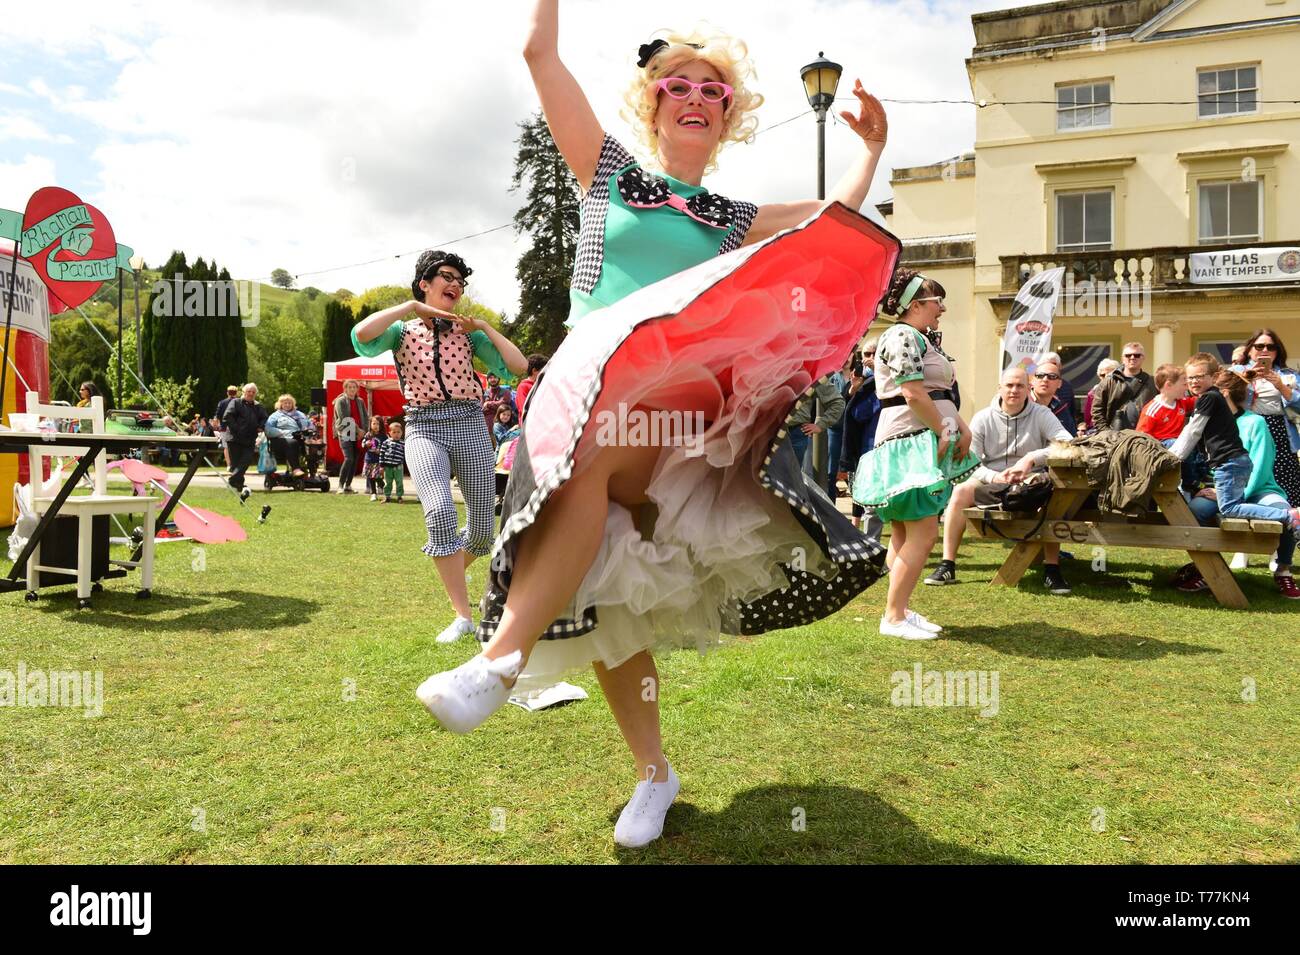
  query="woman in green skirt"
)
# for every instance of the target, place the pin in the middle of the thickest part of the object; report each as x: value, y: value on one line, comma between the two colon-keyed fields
x: 922, y: 444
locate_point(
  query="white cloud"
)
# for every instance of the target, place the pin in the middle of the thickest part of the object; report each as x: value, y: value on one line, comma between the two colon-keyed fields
x: 17, y: 126
x: 21, y: 179
x: 309, y: 135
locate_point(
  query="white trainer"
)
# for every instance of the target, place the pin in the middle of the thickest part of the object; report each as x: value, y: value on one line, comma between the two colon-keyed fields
x: 463, y: 698
x: 904, y: 629
x: 460, y: 627
x: 642, y: 820
x: 916, y: 620
x: 1239, y: 562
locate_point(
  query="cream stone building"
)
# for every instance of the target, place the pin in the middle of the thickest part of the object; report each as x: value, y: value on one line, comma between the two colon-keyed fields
x: 1150, y: 148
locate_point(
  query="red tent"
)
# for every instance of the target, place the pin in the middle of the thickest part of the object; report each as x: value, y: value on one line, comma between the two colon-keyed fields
x: 379, y: 387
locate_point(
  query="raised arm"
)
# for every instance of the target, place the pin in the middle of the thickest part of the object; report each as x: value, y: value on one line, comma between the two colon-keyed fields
x: 872, y: 126
x: 574, y: 127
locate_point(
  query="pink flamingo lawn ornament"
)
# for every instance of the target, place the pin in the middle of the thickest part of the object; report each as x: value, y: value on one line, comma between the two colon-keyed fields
x: 195, y: 523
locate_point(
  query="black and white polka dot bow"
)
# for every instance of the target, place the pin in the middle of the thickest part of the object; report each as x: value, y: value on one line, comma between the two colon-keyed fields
x: 644, y: 190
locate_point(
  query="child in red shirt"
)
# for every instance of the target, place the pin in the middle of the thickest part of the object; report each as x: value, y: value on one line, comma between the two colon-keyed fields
x: 1165, y: 415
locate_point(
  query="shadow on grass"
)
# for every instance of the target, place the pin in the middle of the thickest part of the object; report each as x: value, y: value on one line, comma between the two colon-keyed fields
x: 225, y: 610
x: 1130, y: 583
x: 840, y: 825
x: 1046, y: 642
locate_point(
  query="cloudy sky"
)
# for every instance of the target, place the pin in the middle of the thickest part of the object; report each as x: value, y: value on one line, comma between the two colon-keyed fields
x: 314, y: 134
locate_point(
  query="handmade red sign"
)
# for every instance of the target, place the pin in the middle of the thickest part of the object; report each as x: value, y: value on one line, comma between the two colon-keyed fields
x: 70, y: 245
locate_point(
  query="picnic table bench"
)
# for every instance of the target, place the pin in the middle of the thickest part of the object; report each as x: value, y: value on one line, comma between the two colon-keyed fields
x: 1171, y: 526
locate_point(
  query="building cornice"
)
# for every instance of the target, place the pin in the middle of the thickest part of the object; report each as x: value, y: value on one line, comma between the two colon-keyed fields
x: 1141, y: 35
x: 1115, y: 132
x: 1084, y: 165
x: 1232, y: 152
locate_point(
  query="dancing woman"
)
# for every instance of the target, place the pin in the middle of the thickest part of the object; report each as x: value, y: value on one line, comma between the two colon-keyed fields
x: 433, y: 349
x: 922, y: 444
x: 653, y: 499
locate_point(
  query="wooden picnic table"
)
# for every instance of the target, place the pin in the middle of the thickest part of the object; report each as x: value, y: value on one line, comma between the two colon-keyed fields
x: 1171, y: 526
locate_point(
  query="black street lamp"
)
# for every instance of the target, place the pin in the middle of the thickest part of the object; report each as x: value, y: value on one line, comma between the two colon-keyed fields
x: 820, y: 79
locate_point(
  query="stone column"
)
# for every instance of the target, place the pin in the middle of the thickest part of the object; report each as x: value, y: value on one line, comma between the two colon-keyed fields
x: 1162, y: 350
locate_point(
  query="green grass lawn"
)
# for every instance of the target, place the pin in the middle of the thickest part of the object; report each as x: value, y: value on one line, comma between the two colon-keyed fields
x: 227, y: 735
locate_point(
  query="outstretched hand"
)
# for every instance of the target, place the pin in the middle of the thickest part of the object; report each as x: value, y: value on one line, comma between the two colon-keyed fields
x: 870, y: 123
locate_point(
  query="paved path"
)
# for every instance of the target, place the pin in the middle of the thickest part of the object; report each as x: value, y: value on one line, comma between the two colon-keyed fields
x: 206, y: 477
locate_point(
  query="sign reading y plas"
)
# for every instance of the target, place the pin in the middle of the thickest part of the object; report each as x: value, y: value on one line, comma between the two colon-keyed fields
x: 1243, y: 266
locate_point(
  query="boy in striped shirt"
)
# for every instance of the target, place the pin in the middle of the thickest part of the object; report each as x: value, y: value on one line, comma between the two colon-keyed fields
x: 392, y: 455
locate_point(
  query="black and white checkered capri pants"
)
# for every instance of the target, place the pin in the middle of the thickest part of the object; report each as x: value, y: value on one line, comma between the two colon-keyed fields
x: 442, y: 439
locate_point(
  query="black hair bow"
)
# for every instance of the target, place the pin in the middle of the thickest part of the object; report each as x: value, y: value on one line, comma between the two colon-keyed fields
x: 647, y: 50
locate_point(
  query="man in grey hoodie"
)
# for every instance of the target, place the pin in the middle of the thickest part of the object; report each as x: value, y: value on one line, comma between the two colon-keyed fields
x: 1011, y: 438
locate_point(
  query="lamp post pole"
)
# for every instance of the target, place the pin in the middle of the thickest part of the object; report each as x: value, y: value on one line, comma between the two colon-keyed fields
x: 820, y: 78
x: 137, y: 263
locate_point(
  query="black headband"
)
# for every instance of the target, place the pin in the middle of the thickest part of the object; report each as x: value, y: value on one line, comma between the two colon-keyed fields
x: 647, y: 51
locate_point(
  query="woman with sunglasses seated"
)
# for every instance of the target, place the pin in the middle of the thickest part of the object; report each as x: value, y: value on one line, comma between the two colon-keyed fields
x: 1274, y: 390
x: 622, y: 529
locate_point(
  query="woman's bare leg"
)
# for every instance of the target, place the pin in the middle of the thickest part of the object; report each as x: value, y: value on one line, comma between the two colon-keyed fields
x: 556, y: 552
x: 632, y: 692
x: 909, y: 563
x: 897, y: 538
x: 452, y: 571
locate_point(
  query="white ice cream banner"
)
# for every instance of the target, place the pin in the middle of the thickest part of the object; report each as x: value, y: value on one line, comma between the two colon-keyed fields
x: 1245, y: 266
x: 1029, y: 329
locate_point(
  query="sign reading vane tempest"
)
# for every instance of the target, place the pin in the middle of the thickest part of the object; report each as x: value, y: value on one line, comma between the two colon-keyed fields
x: 1245, y: 266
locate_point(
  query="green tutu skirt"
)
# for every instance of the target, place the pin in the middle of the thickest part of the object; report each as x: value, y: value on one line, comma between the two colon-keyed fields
x: 902, y: 480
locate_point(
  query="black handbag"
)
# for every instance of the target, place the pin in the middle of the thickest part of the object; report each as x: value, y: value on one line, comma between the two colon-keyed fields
x: 1025, y: 497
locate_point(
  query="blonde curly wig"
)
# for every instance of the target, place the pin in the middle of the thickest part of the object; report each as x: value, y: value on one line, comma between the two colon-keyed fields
x: 728, y: 55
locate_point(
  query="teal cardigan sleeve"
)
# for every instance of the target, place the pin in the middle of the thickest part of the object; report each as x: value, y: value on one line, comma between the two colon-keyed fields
x: 387, y: 341
x: 487, y: 353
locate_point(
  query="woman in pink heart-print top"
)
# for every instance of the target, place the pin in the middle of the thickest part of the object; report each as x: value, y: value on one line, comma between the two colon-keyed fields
x: 434, y: 351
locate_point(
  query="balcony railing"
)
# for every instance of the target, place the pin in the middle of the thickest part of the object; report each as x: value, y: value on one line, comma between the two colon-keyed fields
x: 1159, y: 267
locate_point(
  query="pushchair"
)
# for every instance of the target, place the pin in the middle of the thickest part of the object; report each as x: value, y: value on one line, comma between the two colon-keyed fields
x: 310, y: 453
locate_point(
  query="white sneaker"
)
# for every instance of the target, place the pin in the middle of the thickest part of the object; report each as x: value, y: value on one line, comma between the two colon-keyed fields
x: 458, y: 628
x: 916, y: 620
x: 906, y: 630
x: 1239, y: 562
x: 642, y: 819
x: 374, y: 497
x: 463, y: 698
